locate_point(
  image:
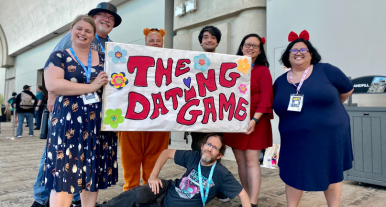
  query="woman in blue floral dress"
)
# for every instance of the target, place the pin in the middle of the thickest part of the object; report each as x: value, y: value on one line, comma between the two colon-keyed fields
x: 79, y: 157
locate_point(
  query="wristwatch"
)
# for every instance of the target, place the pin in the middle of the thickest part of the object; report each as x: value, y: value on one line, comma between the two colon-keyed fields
x: 256, y: 120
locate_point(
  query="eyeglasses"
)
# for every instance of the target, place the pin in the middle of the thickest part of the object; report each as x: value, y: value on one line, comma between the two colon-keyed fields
x: 248, y: 45
x: 111, y: 18
x: 210, y: 145
x: 295, y: 51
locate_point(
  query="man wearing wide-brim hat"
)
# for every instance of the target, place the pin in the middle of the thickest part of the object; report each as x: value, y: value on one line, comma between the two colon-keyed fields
x: 106, y: 18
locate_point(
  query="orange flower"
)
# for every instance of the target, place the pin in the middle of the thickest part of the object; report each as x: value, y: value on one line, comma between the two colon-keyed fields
x: 244, y: 66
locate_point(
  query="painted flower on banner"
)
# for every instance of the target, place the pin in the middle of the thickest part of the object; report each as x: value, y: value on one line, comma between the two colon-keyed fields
x: 244, y: 66
x: 243, y: 88
x: 119, y: 80
x: 114, y: 118
x: 201, y: 62
x: 118, y: 55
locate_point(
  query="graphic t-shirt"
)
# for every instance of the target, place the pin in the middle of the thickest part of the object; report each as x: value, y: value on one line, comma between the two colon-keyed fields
x: 11, y: 101
x: 186, y: 191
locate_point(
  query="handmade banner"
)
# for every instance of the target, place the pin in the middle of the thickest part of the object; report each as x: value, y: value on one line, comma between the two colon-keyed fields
x: 157, y: 89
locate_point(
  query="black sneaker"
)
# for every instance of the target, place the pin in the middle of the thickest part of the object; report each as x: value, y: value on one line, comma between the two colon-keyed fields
x: 36, y: 204
x: 253, y: 205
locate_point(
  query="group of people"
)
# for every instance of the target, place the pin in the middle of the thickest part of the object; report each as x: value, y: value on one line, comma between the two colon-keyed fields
x: 28, y: 106
x: 79, y: 159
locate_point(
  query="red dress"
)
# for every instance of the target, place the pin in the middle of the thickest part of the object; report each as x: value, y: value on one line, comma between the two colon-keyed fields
x: 261, y: 101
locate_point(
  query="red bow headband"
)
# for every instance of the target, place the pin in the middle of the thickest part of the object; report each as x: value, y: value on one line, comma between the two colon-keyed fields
x: 263, y: 40
x: 293, y: 36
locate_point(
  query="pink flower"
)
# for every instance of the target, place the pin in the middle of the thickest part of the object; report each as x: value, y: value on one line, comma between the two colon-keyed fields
x: 242, y: 88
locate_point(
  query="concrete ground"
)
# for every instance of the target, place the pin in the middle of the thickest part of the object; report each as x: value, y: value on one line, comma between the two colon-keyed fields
x: 20, y: 158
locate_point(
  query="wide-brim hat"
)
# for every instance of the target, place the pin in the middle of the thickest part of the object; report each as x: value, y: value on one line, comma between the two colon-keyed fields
x: 108, y: 8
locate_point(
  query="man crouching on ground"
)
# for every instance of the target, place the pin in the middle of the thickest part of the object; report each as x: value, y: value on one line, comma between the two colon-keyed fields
x: 202, y: 170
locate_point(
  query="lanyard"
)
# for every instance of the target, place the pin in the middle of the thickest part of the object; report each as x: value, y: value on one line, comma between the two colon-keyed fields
x: 301, y: 81
x: 253, y: 64
x: 108, y: 40
x: 208, y: 182
x: 88, y: 72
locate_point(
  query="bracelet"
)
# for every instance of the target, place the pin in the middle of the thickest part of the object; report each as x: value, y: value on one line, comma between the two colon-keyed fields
x: 254, y: 119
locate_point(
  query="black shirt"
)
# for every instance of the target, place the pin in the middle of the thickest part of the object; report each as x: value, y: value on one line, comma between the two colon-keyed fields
x: 18, y: 100
x: 186, y: 191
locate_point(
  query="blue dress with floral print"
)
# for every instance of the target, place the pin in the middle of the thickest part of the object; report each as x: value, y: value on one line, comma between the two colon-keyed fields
x: 79, y: 156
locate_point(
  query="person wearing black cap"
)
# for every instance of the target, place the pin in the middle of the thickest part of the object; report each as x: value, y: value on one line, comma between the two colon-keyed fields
x: 25, y: 104
x: 106, y: 18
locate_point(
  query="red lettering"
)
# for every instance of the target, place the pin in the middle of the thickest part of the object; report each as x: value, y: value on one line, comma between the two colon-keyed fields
x: 227, y: 105
x: 173, y: 93
x: 180, y: 64
x: 158, y: 104
x: 142, y: 63
x: 191, y: 93
x: 209, y: 110
x: 223, y: 69
x: 209, y: 83
x: 239, y: 108
x: 161, y: 72
x: 195, y: 113
x: 133, y: 99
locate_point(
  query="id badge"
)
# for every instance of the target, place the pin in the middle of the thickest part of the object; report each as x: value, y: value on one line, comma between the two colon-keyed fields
x: 90, y: 98
x: 296, y: 102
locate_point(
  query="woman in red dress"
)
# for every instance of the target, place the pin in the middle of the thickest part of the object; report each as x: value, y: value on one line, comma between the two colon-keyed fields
x: 247, y: 146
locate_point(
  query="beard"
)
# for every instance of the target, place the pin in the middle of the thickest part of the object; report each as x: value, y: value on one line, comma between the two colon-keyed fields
x: 207, y: 158
x: 103, y: 27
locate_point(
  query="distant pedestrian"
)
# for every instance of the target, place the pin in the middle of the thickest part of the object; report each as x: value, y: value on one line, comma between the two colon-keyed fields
x: 25, y: 103
x: 11, y: 105
x: 39, y: 106
x: 1, y: 102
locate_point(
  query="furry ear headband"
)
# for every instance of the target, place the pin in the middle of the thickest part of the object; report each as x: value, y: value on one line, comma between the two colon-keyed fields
x: 148, y: 31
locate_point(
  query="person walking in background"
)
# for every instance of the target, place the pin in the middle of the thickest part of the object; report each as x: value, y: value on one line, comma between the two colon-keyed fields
x: 314, y: 125
x: 11, y: 105
x: 39, y: 107
x: 2, y: 104
x: 25, y: 103
x: 247, y: 146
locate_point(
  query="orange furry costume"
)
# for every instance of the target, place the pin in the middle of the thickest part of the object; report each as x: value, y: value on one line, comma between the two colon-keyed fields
x: 141, y: 148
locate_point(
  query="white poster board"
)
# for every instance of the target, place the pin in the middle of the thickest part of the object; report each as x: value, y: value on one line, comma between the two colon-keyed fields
x: 157, y: 89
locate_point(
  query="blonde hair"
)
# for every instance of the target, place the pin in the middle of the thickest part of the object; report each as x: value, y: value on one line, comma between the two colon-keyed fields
x: 85, y: 18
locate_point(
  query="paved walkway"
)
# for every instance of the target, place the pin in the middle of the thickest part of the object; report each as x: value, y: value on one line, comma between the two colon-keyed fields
x: 19, y: 161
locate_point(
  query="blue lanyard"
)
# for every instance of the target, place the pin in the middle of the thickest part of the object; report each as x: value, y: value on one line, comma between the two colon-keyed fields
x: 208, y: 182
x: 253, y: 64
x: 108, y: 40
x: 88, y: 72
